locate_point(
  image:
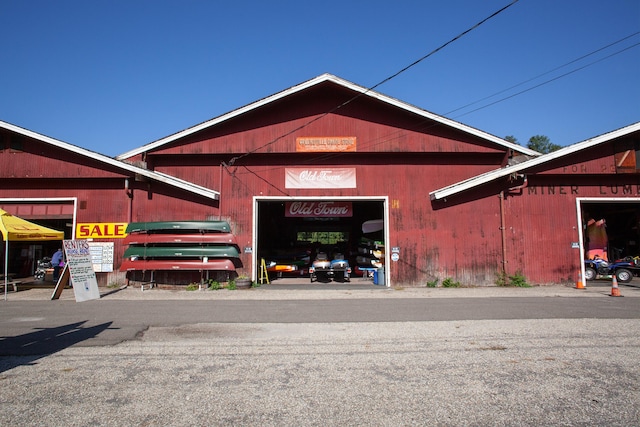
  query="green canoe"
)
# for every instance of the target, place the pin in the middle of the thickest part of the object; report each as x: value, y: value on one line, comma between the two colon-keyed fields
x: 220, y: 251
x: 181, y: 226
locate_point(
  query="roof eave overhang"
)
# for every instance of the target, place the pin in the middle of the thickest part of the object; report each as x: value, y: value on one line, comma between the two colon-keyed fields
x: 485, y: 178
x: 131, y: 169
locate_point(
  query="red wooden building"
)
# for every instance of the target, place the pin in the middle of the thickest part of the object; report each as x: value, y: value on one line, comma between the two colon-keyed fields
x: 83, y: 193
x: 328, y: 141
x: 329, y: 166
x: 547, y: 207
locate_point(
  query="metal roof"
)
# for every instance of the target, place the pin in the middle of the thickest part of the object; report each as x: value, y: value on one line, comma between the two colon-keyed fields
x: 341, y: 82
x: 155, y: 176
x: 507, y: 170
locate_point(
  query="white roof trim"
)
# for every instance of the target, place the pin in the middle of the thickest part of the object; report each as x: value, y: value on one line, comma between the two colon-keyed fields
x: 320, y: 79
x: 156, y: 176
x: 495, y: 174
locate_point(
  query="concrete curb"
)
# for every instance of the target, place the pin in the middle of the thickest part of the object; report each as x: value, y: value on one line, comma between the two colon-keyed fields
x: 324, y: 292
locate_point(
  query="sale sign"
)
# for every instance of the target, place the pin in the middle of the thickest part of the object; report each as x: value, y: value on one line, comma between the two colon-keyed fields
x: 101, y: 230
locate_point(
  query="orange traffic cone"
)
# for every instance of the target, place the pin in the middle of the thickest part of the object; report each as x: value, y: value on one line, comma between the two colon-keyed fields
x: 615, y: 291
x: 579, y: 284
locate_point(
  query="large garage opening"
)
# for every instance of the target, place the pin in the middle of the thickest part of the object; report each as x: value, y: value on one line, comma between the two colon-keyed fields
x: 321, y: 240
x: 610, y: 232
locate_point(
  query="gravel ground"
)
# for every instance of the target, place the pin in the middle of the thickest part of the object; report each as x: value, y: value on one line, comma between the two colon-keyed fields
x: 438, y: 373
x: 463, y: 373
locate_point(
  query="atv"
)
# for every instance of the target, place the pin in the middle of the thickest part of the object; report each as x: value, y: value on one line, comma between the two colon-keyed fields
x: 599, y: 269
x: 337, y: 269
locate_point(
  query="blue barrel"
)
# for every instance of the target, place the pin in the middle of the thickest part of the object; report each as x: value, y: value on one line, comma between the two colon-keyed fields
x: 378, y: 276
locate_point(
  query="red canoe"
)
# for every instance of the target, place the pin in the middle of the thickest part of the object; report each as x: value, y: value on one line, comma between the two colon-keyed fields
x: 206, y: 238
x: 169, y: 264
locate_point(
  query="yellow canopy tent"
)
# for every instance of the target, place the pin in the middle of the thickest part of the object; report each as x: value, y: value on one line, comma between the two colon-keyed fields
x: 18, y: 229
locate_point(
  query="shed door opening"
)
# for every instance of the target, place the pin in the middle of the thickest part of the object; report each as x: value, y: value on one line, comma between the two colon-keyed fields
x: 611, y: 229
x: 291, y: 235
x: 611, y: 232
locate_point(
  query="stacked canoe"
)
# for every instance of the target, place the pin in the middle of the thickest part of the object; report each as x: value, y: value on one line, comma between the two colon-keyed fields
x: 175, y: 246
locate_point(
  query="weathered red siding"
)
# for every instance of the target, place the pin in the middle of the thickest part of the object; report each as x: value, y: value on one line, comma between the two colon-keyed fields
x: 399, y: 156
x: 541, y: 228
x: 41, y: 171
x: 527, y: 225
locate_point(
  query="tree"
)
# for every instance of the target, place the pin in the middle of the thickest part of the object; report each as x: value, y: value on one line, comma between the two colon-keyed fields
x: 542, y: 144
x: 511, y: 139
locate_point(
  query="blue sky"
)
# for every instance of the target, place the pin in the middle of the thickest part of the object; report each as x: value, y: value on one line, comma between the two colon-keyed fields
x: 113, y: 75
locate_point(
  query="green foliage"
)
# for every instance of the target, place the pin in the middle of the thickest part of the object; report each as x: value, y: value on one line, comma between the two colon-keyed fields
x: 433, y: 283
x: 113, y: 285
x: 501, y: 279
x: 519, y: 281
x: 449, y: 283
x: 193, y: 286
x: 255, y: 284
x: 511, y: 139
x: 214, y: 285
x: 232, y: 285
x: 542, y: 144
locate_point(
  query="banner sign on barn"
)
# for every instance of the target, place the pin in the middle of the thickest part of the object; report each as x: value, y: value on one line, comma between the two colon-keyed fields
x: 318, y: 209
x: 320, y: 178
x: 325, y: 144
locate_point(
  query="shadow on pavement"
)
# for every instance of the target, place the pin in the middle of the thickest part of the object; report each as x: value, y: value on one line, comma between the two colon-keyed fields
x: 44, y: 342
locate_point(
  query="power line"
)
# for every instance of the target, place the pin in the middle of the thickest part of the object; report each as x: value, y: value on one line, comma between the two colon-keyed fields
x: 315, y: 119
x: 543, y: 74
x: 550, y: 80
x: 399, y: 133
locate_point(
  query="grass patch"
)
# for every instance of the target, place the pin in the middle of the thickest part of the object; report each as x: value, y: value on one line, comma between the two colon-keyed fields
x: 517, y: 280
x: 213, y: 285
x: 433, y: 283
x: 450, y: 283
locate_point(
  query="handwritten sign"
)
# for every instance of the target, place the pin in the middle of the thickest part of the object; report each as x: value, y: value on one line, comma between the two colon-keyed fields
x: 83, y: 278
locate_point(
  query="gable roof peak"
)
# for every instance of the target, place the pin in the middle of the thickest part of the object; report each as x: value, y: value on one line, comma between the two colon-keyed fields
x: 361, y: 90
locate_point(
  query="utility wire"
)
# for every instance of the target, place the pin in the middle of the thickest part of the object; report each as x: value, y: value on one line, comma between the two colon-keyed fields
x: 549, y: 81
x: 543, y: 74
x: 315, y: 119
x: 399, y: 133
